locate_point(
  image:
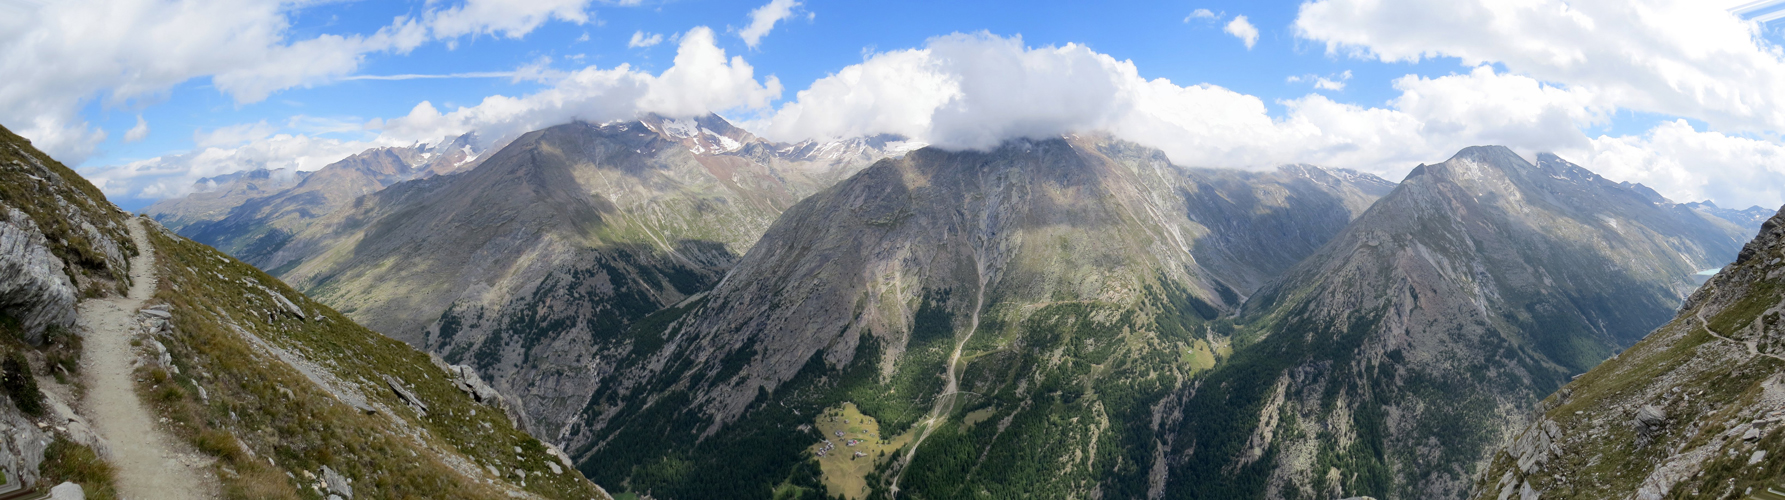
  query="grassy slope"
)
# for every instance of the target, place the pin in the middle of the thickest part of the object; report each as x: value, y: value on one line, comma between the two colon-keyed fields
x: 1708, y: 388
x: 260, y: 432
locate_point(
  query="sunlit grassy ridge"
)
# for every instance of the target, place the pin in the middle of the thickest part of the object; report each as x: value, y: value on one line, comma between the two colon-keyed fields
x: 1721, y: 400
x: 271, y: 428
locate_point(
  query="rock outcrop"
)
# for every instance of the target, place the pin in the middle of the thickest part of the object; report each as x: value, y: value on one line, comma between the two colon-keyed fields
x: 35, y: 290
x: 60, y: 241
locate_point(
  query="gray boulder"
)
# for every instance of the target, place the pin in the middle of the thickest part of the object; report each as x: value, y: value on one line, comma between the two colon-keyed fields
x: 1651, y: 418
x: 403, y: 392
x: 466, y: 379
x: 68, y: 491
x: 337, y: 483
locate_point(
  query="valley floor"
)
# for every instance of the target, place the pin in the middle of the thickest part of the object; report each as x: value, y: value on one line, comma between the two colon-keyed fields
x: 149, y: 463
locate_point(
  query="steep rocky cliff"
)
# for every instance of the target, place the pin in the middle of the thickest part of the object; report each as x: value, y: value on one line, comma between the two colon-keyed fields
x: 60, y: 241
x: 985, y: 309
x: 1695, y: 410
x: 565, y: 235
x: 1391, y: 362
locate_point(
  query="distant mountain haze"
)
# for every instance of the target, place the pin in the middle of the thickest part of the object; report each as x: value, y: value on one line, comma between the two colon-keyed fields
x: 253, y: 214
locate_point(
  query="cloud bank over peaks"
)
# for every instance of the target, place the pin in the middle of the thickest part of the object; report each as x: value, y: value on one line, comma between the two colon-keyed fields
x: 973, y: 91
x: 962, y: 91
x: 703, y: 80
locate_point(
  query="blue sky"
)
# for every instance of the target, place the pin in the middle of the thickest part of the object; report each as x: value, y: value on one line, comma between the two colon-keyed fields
x: 1152, y: 34
x: 1466, y: 79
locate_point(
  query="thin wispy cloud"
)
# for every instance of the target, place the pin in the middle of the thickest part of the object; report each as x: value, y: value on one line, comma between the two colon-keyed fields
x: 1334, y: 82
x: 764, y: 18
x: 1202, y: 14
x: 418, y: 76
x: 641, y: 39
x: 1764, y: 11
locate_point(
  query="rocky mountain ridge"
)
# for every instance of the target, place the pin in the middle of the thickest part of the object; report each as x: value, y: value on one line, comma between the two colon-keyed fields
x: 1069, y: 279
x: 1390, y: 362
x: 674, y: 300
x: 212, y: 198
x: 1748, y: 218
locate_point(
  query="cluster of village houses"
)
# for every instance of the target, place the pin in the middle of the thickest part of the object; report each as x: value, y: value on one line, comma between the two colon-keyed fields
x: 828, y: 445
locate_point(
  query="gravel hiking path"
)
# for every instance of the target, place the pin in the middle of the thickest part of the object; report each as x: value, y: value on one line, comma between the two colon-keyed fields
x: 1753, y: 349
x: 150, y: 465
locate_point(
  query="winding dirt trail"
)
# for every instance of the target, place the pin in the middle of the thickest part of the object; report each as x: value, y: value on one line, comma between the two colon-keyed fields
x: 1753, y: 349
x: 149, y: 463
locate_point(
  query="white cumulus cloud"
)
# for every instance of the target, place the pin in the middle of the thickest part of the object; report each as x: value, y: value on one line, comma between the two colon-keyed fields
x: 1688, y: 58
x: 764, y: 18
x: 62, y: 55
x: 1242, y: 29
x: 1689, y: 165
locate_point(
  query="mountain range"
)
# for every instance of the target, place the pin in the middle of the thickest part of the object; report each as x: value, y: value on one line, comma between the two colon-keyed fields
x: 253, y: 214
x: 1393, y: 361
x: 691, y: 311
x: 1748, y: 218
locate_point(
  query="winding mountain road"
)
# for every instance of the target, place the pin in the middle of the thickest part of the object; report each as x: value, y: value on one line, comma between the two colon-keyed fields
x: 150, y: 464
